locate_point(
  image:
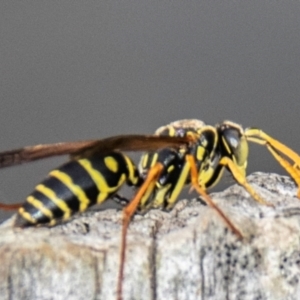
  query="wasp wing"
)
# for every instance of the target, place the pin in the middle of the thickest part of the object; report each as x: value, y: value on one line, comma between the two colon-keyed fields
x: 32, y: 153
x: 89, y: 148
x: 131, y: 143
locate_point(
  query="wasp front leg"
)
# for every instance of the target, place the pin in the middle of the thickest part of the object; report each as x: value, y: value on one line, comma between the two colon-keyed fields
x: 277, y: 149
x: 195, y: 184
x: 241, y: 179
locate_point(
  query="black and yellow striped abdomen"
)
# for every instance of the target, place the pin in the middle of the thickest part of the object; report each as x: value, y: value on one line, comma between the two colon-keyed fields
x: 75, y: 186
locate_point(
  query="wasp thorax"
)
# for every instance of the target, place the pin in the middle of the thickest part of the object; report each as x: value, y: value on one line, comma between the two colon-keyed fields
x: 180, y: 127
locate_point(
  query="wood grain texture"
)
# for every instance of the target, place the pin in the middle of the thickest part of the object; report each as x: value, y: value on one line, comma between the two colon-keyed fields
x: 187, y: 253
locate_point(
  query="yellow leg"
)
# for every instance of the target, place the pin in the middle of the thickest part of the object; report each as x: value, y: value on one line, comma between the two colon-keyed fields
x: 194, y: 179
x: 260, y: 137
x: 274, y: 146
x: 292, y: 170
x: 241, y: 179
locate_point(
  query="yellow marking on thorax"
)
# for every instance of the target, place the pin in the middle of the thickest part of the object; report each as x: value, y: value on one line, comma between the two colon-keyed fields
x: 154, y: 159
x: 144, y: 161
x: 200, y: 153
x: 172, y: 130
x: 170, y: 168
x: 27, y: 216
x: 60, y: 203
x: 104, y: 189
x: 205, y: 174
x: 111, y: 164
x: 40, y: 206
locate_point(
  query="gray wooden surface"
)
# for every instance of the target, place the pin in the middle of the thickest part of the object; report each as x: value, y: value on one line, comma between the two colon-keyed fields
x: 185, y: 254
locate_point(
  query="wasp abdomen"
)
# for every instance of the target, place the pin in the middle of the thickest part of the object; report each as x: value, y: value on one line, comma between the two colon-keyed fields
x: 74, y: 187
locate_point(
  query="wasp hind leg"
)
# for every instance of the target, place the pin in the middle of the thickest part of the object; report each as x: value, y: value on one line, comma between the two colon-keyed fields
x: 146, y: 189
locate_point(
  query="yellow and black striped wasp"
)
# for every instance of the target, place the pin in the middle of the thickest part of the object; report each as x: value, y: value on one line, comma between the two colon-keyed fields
x: 185, y: 152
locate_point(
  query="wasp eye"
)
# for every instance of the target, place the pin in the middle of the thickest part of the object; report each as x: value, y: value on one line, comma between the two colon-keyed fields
x: 232, y: 137
x: 234, y: 145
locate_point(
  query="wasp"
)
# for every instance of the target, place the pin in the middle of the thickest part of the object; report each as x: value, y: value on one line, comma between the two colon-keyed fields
x: 183, y: 153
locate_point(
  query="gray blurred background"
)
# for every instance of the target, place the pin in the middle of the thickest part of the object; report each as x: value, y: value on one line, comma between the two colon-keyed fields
x: 73, y: 70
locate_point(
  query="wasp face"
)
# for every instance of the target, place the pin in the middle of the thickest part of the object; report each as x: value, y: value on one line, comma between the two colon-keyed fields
x: 233, y: 143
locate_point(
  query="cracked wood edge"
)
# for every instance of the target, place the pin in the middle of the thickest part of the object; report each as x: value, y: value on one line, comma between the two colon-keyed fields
x: 187, y: 253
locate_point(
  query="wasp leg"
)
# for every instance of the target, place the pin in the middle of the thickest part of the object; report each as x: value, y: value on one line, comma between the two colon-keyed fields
x: 274, y: 147
x: 241, y: 179
x: 260, y: 137
x: 146, y: 188
x: 292, y: 170
x: 4, y: 206
x: 207, y: 198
